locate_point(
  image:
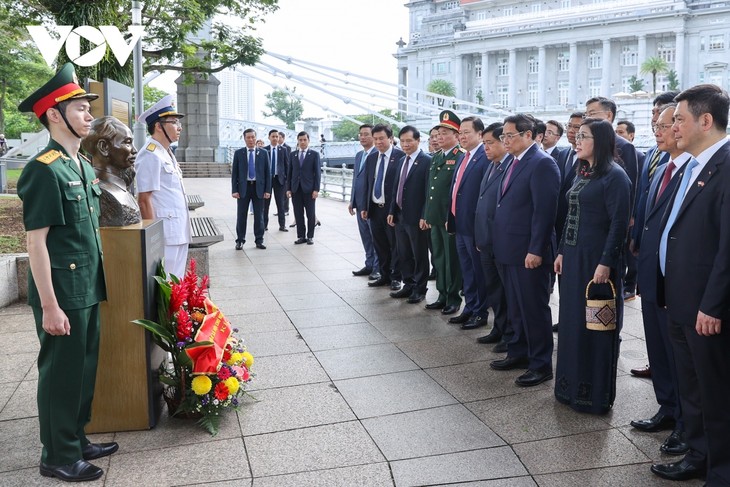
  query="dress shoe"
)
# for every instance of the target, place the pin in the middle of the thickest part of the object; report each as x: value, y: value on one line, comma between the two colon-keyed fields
x: 374, y: 276
x: 283, y: 229
x: 362, y: 272
x: 310, y: 241
x: 436, y: 305
x: 432, y: 275
x: 318, y: 224
x: 475, y: 322
x: 682, y: 470
x: 381, y: 281
x: 394, y: 285
x: 674, y: 444
x: 450, y: 309
x: 293, y: 225
x: 643, y: 372
x: 403, y: 293
x: 73, y: 472
x: 501, y: 347
x: 493, y: 337
x: 266, y: 229
x: 416, y: 298
x: 239, y: 245
x: 261, y: 246
x: 658, y: 422
x: 510, y: 363
x: 459, y: 320
x: 629, y: 296
x: 555, y: 327
x: 98, y: 450
x: 533, y: 377
x: 300, y: 241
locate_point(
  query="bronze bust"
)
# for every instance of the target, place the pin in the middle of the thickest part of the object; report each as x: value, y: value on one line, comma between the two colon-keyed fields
x: 110, y: 145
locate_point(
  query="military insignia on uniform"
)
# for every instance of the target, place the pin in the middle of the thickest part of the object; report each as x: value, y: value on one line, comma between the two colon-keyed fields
x: 49, y: 156
x: 450, y: 162
x: 151, y: 146
x: 446, y: 116
x: 71, y: 184
x: 95, y: 181
x: 462, y: 150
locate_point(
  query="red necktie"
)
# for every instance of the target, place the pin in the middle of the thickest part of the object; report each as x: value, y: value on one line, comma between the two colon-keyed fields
x: 665, y: 180
x: 509, y: 174
x: 459, y: 174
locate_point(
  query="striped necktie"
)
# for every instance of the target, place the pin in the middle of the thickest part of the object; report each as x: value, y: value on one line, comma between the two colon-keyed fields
x: 654, y: 162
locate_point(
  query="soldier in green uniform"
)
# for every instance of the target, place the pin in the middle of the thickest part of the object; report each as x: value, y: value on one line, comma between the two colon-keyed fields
x: 445, y: 260
x: 60, y: 194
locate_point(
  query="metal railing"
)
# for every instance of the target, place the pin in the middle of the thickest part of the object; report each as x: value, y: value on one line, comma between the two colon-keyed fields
x: 336, y: 183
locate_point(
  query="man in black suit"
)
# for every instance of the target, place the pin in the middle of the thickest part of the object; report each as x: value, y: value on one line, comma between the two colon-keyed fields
x: 524, y: 238
x: 406, y: 214
x: 302, y: 186
x: 251, y: 182
x: 553, y: 133
x: 694, y: 259
x: 358, y: 201
x: 279, y: 168
x: 381, y: 167
x: 282, y: 138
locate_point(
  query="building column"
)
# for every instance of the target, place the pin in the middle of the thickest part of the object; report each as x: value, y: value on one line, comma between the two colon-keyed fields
x: 402, y: 89
x: 679, y: 58
x: 541, y: 77
x: 573, y: 75
x: 459, y: 75
x: 642, y: 54
x: 606, y: 69
x: 512, y: 67
x: 485, y: 78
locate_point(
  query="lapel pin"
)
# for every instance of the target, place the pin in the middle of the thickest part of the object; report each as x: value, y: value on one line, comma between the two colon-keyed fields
x: 701, y: 184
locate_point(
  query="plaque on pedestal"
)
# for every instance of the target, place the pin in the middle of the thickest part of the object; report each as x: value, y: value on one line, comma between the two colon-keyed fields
x: 127, y: 394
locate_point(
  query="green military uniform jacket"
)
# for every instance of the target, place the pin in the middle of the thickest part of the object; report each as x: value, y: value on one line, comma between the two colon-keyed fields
x: 440, y: 176
x: 56, y: 194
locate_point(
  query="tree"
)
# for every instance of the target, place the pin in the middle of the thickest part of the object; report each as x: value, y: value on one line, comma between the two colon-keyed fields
x: 654, y: 65
x: 635, y: 84
x: 441, y: 87
x: 672, y: 80
x: 347, y: 130
x: 152, y: 95
x: 284, y: 106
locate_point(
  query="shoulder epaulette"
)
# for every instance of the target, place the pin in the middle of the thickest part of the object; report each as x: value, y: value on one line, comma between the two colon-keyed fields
x: 151, y: 147
x: 49, y: 156
x: 461, y: 149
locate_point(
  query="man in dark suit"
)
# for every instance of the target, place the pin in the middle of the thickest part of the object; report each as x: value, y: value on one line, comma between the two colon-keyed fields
x: 251, y: 182
x: 359, y: 200
x: 656, y: 330
x: 523, y: 240
x: 499, y: 159
x: 553, y: 133
x: 406, y: 214
x: 287, y: 148
x: 302, y: 186
x: 694, y: 259
x: 279, y: 168
x: 381, y: 168
x: 464, y: 192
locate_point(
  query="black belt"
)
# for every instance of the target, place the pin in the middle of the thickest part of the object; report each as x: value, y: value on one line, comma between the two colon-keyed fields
x: 251, y: 182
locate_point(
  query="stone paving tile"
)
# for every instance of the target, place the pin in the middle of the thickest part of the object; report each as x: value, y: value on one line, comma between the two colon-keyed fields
x: 307, y: 449
x: 297, y: 276
x: 7, y: 389
x: 21, y: 342
x: 22, y: 404
x: 14, y: 367
x: 247, y: 305
x: 260, y: 322
x: 16, y: 322
x: 279, y: 268
x: 168, y: 466
x: 393, y: 393
x: 372, y: 475
x: 508, y: 482
x: 310, y: 301
x: 390, y: 310
x: 342, y: 336
x: 535, y: 415
x: 632, y: 354
x: 359, y: 296
x: 237, y: 281
x: 635, y: 399
x: 299, y: 288
x: 448, y: 350
x: 415, y: 328
x: 354, y: 362
x: 492, y: 463
x: 20, y: 443
x: 436, y: 431
x: 287, y: 370
x: 648, y: 443
x: 225, y: 483
x: 576, y: 452
x: 349, y: 284
x: 627, y: 475
x: 293, y: 407
x: 311, y: 318
x: 275, y: 343
x: 233, y: 293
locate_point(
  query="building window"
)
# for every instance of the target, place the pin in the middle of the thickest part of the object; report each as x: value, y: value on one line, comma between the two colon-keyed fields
x: 507, y: 11
x: 562, y: 92
x: 503, y: 95
x: 450, y: 5
x: 532, y: 94
x: 714, y: 77
x: 503, y: 66
x: 594, y: 87
x: 478, y: 68
x: 563, y: 61
x: 564, y: 3
x: 626, y: 84
x: 594, y: 59
x: 717, y: 42
x: 666, y: 52
x: 481, y: 15
x: 533, y: 65
x: 440, y: 68
x: 536, y: 7
x: 629, y: 56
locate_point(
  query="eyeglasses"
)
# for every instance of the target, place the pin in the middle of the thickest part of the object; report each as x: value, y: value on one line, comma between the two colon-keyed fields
x: 504, y: 137
x: 593, y: 113
x: 583, y: 136
x: 550, y: 133
x: 661, y: 127
x: 172, y: 122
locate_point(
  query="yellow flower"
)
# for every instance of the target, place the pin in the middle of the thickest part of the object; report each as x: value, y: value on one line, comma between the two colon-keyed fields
x: 232, y: 385
x: 236, y: 357
x: 202, y: 384
x: 247, y: 359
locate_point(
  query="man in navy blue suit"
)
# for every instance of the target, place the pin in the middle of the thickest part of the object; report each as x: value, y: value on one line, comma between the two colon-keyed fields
x: 302, y: 186
x: 358, y: 201
x: 406, y: 214
x: 251, y: 182
x: 279, y: 158
x: 468, y: 176
x: 524, y: 239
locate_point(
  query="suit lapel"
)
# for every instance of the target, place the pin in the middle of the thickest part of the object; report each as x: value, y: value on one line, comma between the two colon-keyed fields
x: 518, y: 169
x: 708, y: 172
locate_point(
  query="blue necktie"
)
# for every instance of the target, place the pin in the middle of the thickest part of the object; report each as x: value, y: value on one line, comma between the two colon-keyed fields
x: 273, y: 161
x: 378, y: 192
x: 251, y: 166
x: 673, y: 214
x: 362, y: 161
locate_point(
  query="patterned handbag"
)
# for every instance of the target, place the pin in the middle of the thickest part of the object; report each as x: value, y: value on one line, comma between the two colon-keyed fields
x: 601, y: 313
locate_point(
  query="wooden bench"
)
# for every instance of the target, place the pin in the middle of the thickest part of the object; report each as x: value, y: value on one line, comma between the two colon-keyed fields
x: 195, y: 201
x: 205, y: 232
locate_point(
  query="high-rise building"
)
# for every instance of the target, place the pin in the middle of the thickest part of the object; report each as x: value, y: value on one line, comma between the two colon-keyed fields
x: 235, y: 95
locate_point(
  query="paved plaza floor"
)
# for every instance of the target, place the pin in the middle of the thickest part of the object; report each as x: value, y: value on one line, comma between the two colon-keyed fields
x: 352, y: 388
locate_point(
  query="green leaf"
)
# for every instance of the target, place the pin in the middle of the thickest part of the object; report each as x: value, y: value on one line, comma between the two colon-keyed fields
x: 211, y: 423
x: 184, y: 360
x: 168, y: 380
x: 198, y: 344
x: 156, y: 329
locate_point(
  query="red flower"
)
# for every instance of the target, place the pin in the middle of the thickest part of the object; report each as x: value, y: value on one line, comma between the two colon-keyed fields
x: 224, y: 373
x: 221, y: 391
x: 184, y: 328
x: 178, y: 296
x: 227, y: 355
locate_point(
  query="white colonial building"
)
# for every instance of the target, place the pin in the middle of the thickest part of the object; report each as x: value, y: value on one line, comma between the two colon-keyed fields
x: 552, y: 55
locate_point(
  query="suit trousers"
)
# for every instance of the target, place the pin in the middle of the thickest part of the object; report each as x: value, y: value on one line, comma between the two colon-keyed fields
x: 446, y: 263
x: 303, y: 202
x: 703, y: 374
x: 631, y: 269
x: 366, y: 236
x: 475, y: 289
x: 250, y: 197
x: 661, y: 358
x: 278, y: 195
x: 66, y: 380
x: 385, y: 244
x: 412, y: 245
x: 496, y: 298
x: 528, y: 309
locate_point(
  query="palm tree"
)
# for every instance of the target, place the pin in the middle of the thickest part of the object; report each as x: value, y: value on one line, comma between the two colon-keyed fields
x: 654, y: 65
x: 441, y: 87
